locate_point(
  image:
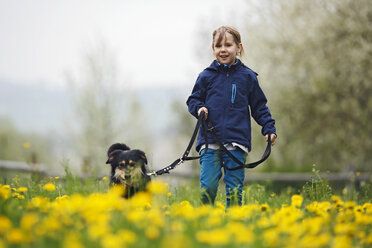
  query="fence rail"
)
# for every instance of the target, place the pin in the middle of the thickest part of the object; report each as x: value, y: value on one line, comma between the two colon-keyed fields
x: 22, y: 167
x: 250, y: 177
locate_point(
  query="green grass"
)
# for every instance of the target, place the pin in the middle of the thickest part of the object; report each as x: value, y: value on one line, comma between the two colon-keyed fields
x: 69, y: 211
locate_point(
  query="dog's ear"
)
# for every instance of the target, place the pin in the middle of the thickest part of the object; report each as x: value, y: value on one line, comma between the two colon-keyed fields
x: 140, y: 155
x: 117, y: 146
x: 110, y: 159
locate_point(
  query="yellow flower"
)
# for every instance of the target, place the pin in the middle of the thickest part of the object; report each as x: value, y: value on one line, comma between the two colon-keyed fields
x: 176, y: 241
x: 241, y: 233
x: 111, y: 241
x: 5, y: 224
x: 49, y: 187
x: 96, y: 231
x: 104, y: 178
x: 4, y: 192
x: 218, y: 236
x: 296, y: 200
x: 72, y: 240
x: 367, y: 207
x: 152, y: 232
x: 158, y: 187
x: 342, y: 241
x: 265, y: 208
x: 26, y: 145
x: 15, y: 236
x: 29, y: 220
x: 169, y: 194
x: 51, y: 224
x: 350, y: 205
x: 22, y: 189
x: 127, y: 236
x: 56, y: 178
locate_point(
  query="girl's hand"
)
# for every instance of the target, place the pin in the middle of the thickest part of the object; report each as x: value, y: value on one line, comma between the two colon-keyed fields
x: 205, y: 110
x: 273, y: 138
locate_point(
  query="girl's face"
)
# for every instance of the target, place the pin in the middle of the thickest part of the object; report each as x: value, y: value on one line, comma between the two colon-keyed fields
x: 226, y: 51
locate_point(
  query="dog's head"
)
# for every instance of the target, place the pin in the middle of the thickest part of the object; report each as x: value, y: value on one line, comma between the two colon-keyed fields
x: 128, y: 166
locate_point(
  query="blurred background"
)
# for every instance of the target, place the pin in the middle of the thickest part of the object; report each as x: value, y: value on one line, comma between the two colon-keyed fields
x: 77, y: 76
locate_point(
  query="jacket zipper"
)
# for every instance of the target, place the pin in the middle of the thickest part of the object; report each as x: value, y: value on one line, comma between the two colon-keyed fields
x: 233, y: 94
x: 225, y: 109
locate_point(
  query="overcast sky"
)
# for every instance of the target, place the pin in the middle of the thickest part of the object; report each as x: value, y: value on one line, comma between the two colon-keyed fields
x: 154, y: 41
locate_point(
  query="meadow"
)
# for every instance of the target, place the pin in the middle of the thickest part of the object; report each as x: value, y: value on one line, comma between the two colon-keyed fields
x: 74, y: 213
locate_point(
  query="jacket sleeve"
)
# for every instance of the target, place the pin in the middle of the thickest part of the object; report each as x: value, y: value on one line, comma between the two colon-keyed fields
x: 260, y: 112
x: 197, y: 98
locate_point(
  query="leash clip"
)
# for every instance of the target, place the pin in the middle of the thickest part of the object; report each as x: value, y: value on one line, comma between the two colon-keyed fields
x: 181, y: 161
x: 151, y: 174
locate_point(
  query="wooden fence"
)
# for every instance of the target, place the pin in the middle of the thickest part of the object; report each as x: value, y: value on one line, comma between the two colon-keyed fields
x: 349, y: 176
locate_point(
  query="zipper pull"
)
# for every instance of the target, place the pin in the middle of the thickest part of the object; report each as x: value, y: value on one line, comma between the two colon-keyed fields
x: 233, y: 93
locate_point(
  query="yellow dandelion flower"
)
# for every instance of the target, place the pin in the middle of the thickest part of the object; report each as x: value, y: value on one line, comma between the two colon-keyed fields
x: 15, y: 236
x: 4, y: 192
x: 177, y: 226
x: 104, y: 178
x: 49, y: 187
x: 72, y: 240
x: 29, y: 220
x: 5, y: 224
x: 22, y: 189
x: 367, y: 207
x: 335, y: 198
x: 111, y: 241
x: 127, y: 236
x: 26, y: 145
x: 349, y: 205
x: 158, y: 187
x: 152, y: 232
x: 96, y: 231
x: 176, y: 241
x: 296, y: 200
x: 263, y: 222
x: 343, y: 241
x: 56, y: 178
x: 219, y: 236
x: 169, y: 194
x: 265, y: 208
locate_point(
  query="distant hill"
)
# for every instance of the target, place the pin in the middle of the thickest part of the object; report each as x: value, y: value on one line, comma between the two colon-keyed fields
x: 35, y: 108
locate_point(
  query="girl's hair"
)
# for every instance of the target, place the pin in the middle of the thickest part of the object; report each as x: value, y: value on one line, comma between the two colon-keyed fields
x: 220, y: 33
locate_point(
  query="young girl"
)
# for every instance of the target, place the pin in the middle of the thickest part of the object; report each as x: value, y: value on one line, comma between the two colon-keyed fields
x: 224, y: 92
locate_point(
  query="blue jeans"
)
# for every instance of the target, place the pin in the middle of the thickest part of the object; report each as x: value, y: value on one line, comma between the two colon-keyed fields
x: 211, y: 174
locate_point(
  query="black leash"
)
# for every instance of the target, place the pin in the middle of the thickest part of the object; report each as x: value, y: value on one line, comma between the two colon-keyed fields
x: 185, y: 157
x: 241, y: 165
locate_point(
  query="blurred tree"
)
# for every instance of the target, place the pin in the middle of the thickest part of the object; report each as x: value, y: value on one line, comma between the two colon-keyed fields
x: 17, y: 146
x: 318, y: 57
x: 100, y: 108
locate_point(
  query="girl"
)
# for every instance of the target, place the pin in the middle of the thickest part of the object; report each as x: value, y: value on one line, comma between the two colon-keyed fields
x: 224, y: 92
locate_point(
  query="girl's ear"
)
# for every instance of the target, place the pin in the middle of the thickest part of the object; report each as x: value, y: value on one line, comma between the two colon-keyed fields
x: 240, y: 46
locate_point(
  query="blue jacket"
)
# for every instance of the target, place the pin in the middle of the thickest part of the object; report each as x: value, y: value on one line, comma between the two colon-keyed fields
x: 228, y: 93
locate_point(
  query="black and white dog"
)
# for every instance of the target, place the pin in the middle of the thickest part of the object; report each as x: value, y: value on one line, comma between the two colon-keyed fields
x: 128, y: 168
